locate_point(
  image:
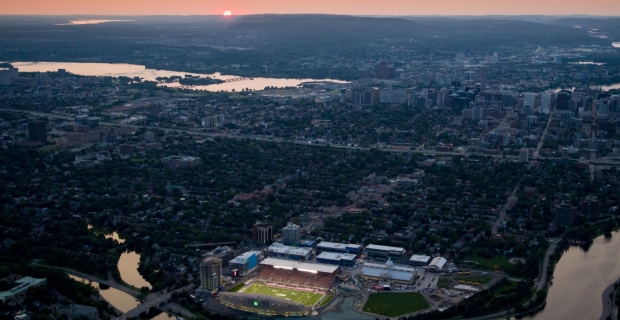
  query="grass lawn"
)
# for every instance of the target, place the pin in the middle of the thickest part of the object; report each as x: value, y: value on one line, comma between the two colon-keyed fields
x: 479, y: 279
x: 500, y: 262
x: 327, y: 299
x: 395, y: 304
x: 444, y: 283
x: 505, y: 289
x: 237, y: 287
x: 306, y: 298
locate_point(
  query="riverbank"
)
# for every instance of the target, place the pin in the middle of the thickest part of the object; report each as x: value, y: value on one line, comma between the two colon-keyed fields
x: 608, y: 301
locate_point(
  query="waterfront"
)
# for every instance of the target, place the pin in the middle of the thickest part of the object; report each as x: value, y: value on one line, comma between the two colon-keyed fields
x: 580, y: 278
x: 133, y: 70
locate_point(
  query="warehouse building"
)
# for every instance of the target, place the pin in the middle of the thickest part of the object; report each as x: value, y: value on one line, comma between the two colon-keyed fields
x: 389, y: 272
x: 385, y: 253
x: 335, y: 247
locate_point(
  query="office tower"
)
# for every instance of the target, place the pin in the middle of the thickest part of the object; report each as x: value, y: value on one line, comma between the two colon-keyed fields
x: 561, y: 100
x: 602, y: 106
x: 149, y: 136
x: 290, y: 234
x: 565, y: 214
x: 524, y: 155
x: 37, y: 131
x: 546, y: 101
x: 210, y: 274
x: 529, y: 98
x: 590, y: 206
x: 262, y: 232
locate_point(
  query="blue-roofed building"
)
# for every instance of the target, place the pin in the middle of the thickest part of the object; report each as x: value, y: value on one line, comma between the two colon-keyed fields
x: 245, y: 263
x: 335, y: 247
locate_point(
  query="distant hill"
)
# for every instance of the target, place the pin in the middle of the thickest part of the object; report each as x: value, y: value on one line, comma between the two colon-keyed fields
x: 325, y: 25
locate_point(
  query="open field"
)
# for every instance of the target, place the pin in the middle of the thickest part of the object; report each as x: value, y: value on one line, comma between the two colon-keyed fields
x: 499, y: 262
x: 395, y: 304
x: 237, y: 287
x: 480, y: 279
x: 306, y: 298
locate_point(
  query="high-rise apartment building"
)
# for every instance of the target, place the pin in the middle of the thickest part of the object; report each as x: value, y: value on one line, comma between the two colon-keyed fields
x: 290, y: 234
x: 262, y: 232
x: 210, y: 274
x: 37, y: 131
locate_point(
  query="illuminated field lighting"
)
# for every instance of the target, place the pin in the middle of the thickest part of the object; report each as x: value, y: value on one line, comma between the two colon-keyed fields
x: 256, y: 303
x: 281, y: 267
x: 304, y: 270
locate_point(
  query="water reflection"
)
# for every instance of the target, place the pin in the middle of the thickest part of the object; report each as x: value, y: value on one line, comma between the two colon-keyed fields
x: 132, y: 70
x: 118, y: 299
x: 580, y: 278
x: 91, y: 21
x: 128, y: 267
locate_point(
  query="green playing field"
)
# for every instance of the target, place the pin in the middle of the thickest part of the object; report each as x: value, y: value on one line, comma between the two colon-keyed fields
x: 306, y: 298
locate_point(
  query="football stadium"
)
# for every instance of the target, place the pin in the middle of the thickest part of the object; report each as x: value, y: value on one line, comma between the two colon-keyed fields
x: 283, y: 288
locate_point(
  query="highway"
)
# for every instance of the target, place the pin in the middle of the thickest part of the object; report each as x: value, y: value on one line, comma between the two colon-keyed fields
x: 261, y: 138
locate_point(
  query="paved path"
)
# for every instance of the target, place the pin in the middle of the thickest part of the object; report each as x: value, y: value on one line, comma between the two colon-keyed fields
x: 608, y: 302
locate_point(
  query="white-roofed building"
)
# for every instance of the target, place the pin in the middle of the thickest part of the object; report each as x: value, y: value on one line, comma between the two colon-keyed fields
x: 385, y: 253
x: 437, y: 264
x: 389, y: 272
x: 341, y: 259
x: 419, y: 260
x: 279, y: 250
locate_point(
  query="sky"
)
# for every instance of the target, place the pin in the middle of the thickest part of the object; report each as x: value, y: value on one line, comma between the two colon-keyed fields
x: 351, y: 7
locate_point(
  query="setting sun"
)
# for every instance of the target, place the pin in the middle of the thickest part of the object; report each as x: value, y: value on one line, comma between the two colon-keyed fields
x: 227, y: 13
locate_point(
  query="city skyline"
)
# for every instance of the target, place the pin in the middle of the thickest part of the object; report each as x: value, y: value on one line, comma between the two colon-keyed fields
x: 248, y: 7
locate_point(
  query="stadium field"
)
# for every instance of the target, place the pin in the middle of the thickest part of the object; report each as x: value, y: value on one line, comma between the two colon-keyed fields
x: 306, y: 298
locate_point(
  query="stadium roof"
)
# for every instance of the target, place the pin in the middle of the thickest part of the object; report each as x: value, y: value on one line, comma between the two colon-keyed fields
x: 301, y: 266
x: 335, y: 245
x: 336, y: 256
x: 383, y: 248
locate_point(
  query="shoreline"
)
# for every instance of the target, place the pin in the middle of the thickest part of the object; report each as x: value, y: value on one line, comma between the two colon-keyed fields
x: 607, y: 302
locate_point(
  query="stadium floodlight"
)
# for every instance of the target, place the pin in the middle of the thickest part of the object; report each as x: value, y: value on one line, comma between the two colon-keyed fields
x: 256, y: 303
x: 306, y: 270
x: 282, y: 267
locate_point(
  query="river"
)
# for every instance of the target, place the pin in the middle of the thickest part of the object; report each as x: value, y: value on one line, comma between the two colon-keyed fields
x: 579, y: 280
x: 118, y: 299
x: 133, y: 70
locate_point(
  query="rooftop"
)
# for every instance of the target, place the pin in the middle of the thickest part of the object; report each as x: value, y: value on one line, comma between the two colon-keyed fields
x: 383, y: 248
x: 336, y: 256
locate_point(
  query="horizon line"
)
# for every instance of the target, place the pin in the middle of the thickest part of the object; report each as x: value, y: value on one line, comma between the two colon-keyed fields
x: 283, y: 14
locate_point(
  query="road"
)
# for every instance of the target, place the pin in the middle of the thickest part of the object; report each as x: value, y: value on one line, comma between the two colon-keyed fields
x: 608, y: 302
x: 153, y: 300
x: 256, y: 137
x: 502, y: 212
x: 542, y: 140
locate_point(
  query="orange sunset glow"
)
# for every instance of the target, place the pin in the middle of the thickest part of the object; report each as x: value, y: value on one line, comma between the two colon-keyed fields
x: 358, y: 7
